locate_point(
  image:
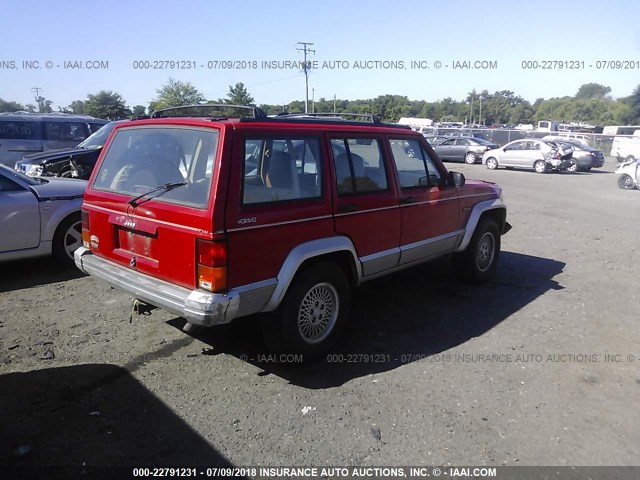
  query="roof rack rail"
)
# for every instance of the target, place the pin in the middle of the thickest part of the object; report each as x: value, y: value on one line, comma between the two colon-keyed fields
x: 333, y: 116
x: 200, y: 110
x: 324, y: 118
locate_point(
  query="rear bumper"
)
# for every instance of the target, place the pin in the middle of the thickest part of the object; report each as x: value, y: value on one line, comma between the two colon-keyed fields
x: 196, y: 306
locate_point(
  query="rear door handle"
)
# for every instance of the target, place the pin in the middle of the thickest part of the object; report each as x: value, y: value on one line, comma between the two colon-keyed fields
x: 407, y: 200
x: 349, y: 207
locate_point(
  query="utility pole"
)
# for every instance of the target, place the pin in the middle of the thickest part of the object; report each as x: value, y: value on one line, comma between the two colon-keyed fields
x: 480, y: 115
x: 334, y: 103
x: 305, y: 48
x: 313, y: 100
x: 36, y: 90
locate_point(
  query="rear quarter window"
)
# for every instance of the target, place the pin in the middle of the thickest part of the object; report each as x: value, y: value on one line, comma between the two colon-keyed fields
x: 141, y: 159
x: 20, y: 130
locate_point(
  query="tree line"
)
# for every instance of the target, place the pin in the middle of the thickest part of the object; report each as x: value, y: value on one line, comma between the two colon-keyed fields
x: 591, y: 104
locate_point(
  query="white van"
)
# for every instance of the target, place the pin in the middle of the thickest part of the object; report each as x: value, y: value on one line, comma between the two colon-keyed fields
x: 626, y: 147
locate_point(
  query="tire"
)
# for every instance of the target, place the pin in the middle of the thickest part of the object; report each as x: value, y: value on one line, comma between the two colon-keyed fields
x: 67, y: 239
x: 492, y: 163
x: 573, y: 168
x: 470, y: 158
x: 630, y: 158
x: 313, y: 313
x: 625, y: 182
x: 477, y: 263
x: 540, y: 166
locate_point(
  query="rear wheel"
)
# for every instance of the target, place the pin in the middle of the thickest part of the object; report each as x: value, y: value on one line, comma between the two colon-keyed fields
x: 625, y: 182
x: 492, y: 163
x: 540, y: 166
x: 573, y: 167
x: 470, y: 158
x: 67, y: 239
x: 630, y: 158
x: 313, y: 313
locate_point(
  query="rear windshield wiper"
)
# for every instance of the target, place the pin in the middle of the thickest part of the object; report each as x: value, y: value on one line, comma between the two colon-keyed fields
x: 164, y: 188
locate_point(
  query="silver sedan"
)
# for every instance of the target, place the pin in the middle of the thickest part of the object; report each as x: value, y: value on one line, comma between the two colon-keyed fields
x: 533, y: 153
x: 39, y: 216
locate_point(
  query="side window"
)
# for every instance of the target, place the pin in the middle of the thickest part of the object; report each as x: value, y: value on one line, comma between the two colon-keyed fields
x: 278, y: 169
x: 358, y: 165
x: 7, y: 185
x: 462, y: 141
x: 66, y: 131
x: 415, y: 167
x: 448, y: 142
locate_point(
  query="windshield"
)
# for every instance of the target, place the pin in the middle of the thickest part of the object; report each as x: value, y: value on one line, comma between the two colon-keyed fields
x: 12, y: 174
x: 96, y: 140
x: 146, y: 159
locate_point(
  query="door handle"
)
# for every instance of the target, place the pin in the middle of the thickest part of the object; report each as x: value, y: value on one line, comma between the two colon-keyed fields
x: 407, y: 200
x: 348, y: 207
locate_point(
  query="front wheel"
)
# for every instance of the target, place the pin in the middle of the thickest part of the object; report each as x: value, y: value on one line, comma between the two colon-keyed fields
x: 67, y: 239
x: 313, y: 313
x: 470, y: 158
x: 492, y: 163
x: 477, y: 263
x: 625, y: 182
x: 540, y: 166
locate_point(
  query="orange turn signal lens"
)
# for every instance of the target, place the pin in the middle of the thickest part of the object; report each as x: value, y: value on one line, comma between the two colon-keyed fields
x: 86, y: 242
x: 213, y: 279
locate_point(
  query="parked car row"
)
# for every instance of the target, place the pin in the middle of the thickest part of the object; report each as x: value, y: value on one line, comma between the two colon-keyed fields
x: 533, y: 153
x: 23, y: 133
x: 75, y: 162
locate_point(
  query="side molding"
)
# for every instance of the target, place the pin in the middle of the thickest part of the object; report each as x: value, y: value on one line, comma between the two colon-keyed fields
x: 474, y: 218
x: 303, y: 252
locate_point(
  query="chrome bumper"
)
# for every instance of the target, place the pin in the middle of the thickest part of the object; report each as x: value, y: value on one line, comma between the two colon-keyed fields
x: 196, y: 306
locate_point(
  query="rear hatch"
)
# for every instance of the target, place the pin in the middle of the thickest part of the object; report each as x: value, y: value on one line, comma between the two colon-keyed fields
x: 150, y: 202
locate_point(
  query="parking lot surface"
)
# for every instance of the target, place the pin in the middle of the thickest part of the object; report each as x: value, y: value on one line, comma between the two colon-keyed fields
x: 538, y: 367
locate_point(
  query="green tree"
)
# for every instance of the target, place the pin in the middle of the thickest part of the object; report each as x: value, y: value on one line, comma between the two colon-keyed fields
x: 138, y: 110
x: 176, y: 94
x: 632, y: 114
x: 10, y: 106
x: 592, y: 90
x: 106, y: 104
x: 44, y: 105
x: 77, y: 107
x: 238, y: 95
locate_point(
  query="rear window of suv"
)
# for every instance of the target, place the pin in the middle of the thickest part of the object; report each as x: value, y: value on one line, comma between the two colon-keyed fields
x: 141, y: 159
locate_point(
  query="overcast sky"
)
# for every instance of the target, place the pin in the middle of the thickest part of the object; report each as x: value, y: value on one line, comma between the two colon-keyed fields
x: 588, y: 33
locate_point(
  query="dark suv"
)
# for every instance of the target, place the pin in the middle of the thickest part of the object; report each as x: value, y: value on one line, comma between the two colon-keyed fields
x: 216, y: 218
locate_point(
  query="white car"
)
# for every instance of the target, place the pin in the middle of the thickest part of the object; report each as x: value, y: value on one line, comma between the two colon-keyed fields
x: 39, y: 216
x: 533, y: 153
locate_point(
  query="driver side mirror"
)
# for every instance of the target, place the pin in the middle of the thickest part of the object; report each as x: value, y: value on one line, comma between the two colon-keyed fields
x: 455, y: 179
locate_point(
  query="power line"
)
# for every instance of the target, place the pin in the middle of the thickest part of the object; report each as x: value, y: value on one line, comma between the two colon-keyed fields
x: 305, y: 48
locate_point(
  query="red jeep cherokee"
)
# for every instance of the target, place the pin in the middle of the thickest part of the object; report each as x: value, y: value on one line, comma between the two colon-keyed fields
x: 214, y: 218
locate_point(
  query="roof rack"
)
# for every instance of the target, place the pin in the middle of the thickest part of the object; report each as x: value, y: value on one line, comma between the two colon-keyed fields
x: 368, y: 117
x: 205, y: 110
x: 324, y: 118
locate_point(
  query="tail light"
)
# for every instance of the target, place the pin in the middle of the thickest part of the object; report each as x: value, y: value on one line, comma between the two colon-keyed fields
x: 211, y: 268
x: 84, y: 220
